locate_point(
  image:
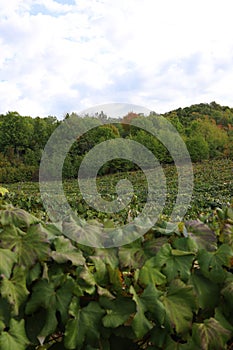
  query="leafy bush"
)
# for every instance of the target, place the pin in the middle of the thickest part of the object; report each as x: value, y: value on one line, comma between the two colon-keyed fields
x: 171, y: 289
x: 11, y: 174
x: 198, y: 148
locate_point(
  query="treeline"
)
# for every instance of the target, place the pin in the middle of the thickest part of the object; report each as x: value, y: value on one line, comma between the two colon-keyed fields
x: 207, y: 130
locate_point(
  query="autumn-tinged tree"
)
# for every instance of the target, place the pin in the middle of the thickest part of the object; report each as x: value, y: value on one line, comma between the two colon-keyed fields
x: 216, y: 137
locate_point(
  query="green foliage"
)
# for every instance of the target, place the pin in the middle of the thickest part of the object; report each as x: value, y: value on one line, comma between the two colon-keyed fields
x: 206, y: 128
x: 198, y: 148
x: 11, y: 174
x: 164, y: 291
x: 213, y: 187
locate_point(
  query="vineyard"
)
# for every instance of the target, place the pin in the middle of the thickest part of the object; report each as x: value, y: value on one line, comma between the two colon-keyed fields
x: 213, y: 187
x: 171, y: 289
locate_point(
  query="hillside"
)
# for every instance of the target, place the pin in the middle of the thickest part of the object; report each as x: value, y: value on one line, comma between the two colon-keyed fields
x: 207, y: 130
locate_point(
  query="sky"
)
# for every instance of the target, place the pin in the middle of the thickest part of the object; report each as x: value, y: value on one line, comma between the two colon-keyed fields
x: 64, y: 56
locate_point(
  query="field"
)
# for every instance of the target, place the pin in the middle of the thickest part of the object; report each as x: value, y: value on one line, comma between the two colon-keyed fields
x: 213, y: 187
x: 170, y: 289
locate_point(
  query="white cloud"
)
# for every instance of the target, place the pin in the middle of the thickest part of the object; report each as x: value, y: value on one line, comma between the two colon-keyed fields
x: 63, y: 56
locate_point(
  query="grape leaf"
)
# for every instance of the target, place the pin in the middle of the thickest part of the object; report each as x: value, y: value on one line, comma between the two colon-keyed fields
x: 132, y: 255
x: 212, y: 263
x: 210, y: 335
x: 227, y: 293
x: 140, y: 324
x: 150, y: 274
x: 179, y: 303
x: 17, y: 217
x: 7, y: 260
x: 151, y: 299
x: 14, y: 290
x: 203, y: 288
x: 52, y: 297
x: 65, y: 251
x: 15, y: 338
x: 29, y: 246
x: 204, y: 237
x: 85, y: 325
x: 119, y: 311
x: 174, y: 263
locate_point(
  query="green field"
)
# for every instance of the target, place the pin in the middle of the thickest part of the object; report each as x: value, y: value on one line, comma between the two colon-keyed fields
x: 170, y: 289
x: 213, y: 187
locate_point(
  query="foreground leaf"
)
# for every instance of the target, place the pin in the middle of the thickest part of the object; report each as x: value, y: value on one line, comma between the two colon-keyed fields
x: 7, y: 260
x: 179, y: 303
x: 151, y: 299
x: 204, y: 237
x: 29, y: 246
x: 132, y: 255
x: 203, y: 288
x: 140, y: 324
x: 174, y: 263
x: 212, y: 264
x: 14, y: 290
x: 52, y: 297
x: 210, y: 335
x: 118, y: 311
x: 150, y: 274
x: 65, y: 251
x: 85, y: 325
x: 15, y: 338
x: 17, y: 217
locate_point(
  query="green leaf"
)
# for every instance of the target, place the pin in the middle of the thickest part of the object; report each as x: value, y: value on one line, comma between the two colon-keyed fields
x: 101, y: 273
x: 115, y: 277
x: 52, y: 297
x: 65, y: 251
x: 15, y: 338
x: 17, y: 217
x: 119, y: 311
x: 7, y: 260
x: 210, y: 335
x: 53, y: 230
x: 150, y: 274
x: 227, y: 293
x: 3, y: 191
x: 85, y: 280
x: 212, y: 264
x: 89, y: 233
x: 186, y: 244
x: 203, y: 288
x: 151, y: 299
x: 5, y: 313
x: 29, y: 247
x: 140, y: 324
x: 85, y: 325
x: 45, y: 294
x: 222, y: 320
x: 14, y: 290
x: 153, y: 245
x: 105, y: 292
x: 179, y: 303
x: 204, y: 237
x: 132, y: 255
x: 109, y: 256
x: 174, y: 263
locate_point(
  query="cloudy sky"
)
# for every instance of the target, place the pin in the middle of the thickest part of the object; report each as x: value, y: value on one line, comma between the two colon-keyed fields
x: 68, y: 55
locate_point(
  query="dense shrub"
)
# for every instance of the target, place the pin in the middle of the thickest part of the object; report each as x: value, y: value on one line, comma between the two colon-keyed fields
x: 12, y: 174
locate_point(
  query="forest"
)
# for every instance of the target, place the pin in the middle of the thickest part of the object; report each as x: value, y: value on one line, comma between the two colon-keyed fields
x: 207, y: 130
